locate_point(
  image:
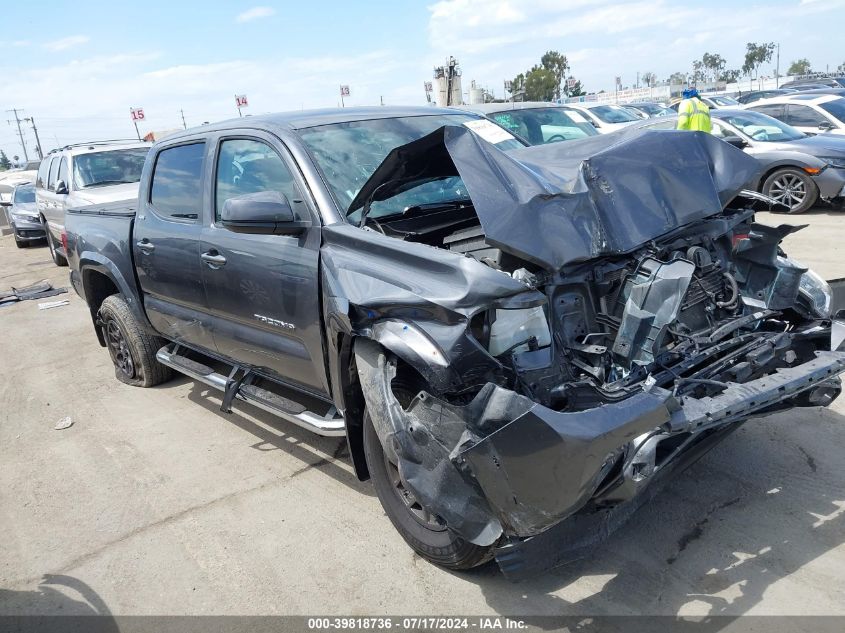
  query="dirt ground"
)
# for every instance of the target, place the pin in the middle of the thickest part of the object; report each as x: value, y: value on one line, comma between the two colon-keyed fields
x: 154, y: 502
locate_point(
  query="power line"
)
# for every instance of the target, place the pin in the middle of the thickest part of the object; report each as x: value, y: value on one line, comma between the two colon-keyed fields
x: 20, y: 132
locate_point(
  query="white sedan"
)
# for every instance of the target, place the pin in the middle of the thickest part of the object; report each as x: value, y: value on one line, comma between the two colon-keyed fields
x: 810, y: 113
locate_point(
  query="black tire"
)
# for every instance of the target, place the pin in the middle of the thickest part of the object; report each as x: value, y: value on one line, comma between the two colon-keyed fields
x: 132, y: 349
x: 436, y: 543
x: 793, y: 187
x: 58, y: 258
x: 19, y: 243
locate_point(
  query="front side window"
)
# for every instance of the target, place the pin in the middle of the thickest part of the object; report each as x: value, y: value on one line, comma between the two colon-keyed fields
x: 803, y: 115
x: 246, y: 166
x: 112, y: 167
x: 54, y: 172
x: 176, y: 190
x: 63, y: 171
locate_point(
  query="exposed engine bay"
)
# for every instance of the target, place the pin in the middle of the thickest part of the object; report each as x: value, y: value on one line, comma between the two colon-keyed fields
x: 706, y: 305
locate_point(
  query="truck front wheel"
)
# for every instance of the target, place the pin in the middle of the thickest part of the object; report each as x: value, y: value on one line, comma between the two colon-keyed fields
x: 424, y: 531
x: 132, y: 349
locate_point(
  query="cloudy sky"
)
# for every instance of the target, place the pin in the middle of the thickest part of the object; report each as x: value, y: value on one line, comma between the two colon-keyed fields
x: 78, y: 67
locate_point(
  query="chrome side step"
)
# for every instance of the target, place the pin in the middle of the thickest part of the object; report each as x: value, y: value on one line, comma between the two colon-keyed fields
x: 330, y: 425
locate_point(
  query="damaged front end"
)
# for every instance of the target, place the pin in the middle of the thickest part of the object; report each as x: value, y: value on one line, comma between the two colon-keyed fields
x: 583, y: 327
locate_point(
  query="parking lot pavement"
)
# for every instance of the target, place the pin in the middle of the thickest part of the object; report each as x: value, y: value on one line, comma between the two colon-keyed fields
x: 154, y: 502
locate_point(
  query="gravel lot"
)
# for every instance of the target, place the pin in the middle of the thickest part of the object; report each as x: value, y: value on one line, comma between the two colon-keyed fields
x: 154, y: 502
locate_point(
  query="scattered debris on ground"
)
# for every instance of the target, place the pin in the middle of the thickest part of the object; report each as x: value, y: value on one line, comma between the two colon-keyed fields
x: 65, y: 423
x: 38, y: 290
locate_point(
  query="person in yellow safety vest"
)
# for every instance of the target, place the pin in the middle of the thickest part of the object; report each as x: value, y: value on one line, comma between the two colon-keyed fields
x: 693, y: 113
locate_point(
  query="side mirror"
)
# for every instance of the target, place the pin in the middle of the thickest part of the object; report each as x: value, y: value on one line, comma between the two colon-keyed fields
x: 824, y: 126
x: 61, y: 187
x: 736, y: 141
x: 262, y: 213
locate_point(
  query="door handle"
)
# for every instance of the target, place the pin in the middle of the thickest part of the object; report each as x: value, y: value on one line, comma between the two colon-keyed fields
x: 213, y: 259
x: 146, y: 246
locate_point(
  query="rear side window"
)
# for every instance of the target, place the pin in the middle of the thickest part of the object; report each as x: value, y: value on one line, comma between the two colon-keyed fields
x: 776, y: 110
x: 54, y: 172
x: 43, y: 174
x: 176, y: 190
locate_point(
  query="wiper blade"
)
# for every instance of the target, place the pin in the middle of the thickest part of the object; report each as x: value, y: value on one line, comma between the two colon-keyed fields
x: 437, y: 206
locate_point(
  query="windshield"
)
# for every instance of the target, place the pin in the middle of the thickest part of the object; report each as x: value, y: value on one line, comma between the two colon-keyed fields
x: 836, y: 108
x: 348, y: 153
x: 724, y: 101
x: 762, y: 127
x: 614, y: 114
x: 545, y: 125
x: 112, y: 167
x: 24, y: 194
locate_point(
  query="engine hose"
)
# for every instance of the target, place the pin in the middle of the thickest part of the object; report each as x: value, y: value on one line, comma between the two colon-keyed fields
x: 734, y: 292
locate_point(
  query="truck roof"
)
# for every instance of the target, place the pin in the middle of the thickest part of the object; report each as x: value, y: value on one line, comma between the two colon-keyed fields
x: 300, y: 119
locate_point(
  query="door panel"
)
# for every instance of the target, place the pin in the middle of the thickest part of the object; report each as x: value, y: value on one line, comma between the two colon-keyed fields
x: 264, y: 298
x: 166, y: 247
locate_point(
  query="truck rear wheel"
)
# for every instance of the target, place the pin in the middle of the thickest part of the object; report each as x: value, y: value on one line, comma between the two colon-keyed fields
x: 425, y: 532
x: 132, y: 349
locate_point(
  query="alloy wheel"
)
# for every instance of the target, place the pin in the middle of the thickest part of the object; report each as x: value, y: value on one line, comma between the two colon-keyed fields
x: 118, y: 348
x: 788, y: 189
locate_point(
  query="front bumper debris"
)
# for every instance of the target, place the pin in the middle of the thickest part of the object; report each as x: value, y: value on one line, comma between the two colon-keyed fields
x: 503, y: 465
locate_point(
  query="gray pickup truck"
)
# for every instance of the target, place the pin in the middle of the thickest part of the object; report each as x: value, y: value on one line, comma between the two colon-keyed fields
x: 520, y: 344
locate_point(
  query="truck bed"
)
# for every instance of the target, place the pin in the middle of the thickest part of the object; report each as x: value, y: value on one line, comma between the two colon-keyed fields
x: 99, y: 237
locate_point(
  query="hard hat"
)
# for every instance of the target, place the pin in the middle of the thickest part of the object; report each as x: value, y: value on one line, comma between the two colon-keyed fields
x: 689, y: 93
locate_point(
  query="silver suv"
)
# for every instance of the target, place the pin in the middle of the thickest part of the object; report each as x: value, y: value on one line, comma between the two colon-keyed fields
x: 83, y: 174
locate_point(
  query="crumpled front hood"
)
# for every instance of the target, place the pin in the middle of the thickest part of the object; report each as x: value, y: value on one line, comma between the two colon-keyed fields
x: 567, y: 202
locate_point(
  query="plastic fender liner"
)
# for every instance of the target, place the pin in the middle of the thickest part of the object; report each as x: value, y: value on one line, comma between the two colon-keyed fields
x: 421, y: 441
x: 543, y: 466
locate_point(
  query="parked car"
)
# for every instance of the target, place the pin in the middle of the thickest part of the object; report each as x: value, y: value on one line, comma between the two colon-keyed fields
x: 86, y: 173
x: 797, y: 169
x: 810, y: 113
x: 22, y: 215
x: 537, y: 122
x: 830, y: 82
x: 605, y: 117
x: 650, y: 110
x: 756, y: 95
x: 418, y: 281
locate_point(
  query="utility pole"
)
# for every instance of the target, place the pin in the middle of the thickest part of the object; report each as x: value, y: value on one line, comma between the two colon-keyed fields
x: 31, y: 121
x: 777, y: 68
x: 182, y: 112
x: 20, y: 132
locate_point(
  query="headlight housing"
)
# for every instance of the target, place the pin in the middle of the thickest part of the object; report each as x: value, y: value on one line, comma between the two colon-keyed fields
x: 513, y: 324
x: 818, y: 291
